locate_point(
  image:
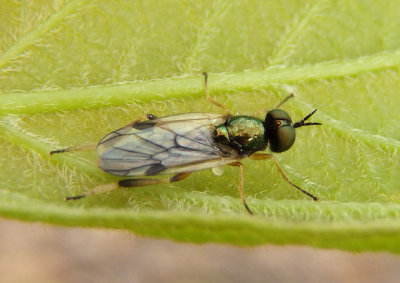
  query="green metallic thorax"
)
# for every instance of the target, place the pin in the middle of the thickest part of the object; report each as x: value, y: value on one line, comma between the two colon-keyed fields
x: 245, y: 134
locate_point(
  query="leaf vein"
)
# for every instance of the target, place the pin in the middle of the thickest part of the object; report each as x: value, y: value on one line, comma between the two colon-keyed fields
x: 35, y: 34
x: 204, y: 34
x: 291, y: 37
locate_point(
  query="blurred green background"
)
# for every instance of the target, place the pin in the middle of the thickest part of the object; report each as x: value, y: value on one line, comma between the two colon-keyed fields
x: 71, y: 71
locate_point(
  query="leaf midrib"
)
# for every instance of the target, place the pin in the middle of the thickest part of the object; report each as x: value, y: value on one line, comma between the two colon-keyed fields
x: 35, y: 102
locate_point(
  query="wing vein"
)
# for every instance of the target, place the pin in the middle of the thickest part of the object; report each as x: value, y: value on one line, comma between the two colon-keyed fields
x: 174, y: 144
x: 131, y: 151
x: 196, y: 141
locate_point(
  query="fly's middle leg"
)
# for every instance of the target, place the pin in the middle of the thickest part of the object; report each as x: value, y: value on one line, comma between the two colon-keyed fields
x: 148, y: 116
x: 216, y: 103
x: 151, y: 116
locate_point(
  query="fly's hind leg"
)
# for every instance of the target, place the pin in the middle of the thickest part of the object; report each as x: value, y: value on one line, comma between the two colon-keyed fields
x: 95, y: 191
x: 83, y: 147
x: 130, y: 183
x: 92, y: 146
x: 262, y: 156
x: 216, y: 103
x: 147, y: 182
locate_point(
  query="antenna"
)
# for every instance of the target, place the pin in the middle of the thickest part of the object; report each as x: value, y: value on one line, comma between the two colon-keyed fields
x: 302, y: 124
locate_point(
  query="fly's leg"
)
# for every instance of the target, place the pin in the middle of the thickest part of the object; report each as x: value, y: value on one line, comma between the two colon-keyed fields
x: 240, y: 165
x: 95, y: 191
x: 284, y: 100
x: 151, y: 116
x: 83, y: 147
x: 216, y: 103
x: 92, y: 146
x: 147, y: 182
x: 148, y: 116
x: 129, y: 183
x: 262, y: 156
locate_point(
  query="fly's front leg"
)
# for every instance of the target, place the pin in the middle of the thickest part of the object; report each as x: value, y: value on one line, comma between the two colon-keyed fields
x: 240, y: 165
x: 130, y: 183
x: 263, y: 156
x: 216, y: 103
x: 279, y: 105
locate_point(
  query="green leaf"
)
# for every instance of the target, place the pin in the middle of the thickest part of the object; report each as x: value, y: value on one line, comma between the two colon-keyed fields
x: 70, y: 72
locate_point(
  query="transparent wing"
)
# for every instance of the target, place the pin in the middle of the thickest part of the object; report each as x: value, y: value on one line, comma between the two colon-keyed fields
x: 165, y: 145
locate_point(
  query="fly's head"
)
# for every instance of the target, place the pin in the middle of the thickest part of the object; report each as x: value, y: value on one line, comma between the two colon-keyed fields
x: 280, y: 130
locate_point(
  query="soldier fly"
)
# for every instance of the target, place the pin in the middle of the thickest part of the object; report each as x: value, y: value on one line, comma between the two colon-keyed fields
x: 183, y: 143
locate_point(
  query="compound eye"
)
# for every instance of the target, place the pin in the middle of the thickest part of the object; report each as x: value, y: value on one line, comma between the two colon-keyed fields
x: 279, y: 130
x: 282, y: 139
x: 278, y: 114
